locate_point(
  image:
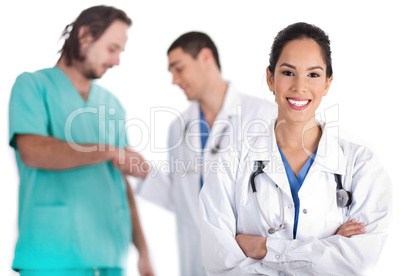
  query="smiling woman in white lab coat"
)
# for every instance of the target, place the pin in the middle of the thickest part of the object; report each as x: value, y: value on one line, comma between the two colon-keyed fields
x: 299, y: 201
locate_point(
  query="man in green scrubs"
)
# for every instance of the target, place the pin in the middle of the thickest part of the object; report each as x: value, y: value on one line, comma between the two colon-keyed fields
x: 77, y: 215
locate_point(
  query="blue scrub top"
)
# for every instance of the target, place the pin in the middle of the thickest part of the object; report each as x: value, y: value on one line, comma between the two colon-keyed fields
x: 296, y: 183
x: 204, y: 134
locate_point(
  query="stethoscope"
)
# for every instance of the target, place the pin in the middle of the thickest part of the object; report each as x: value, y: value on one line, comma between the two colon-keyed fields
x: 214, y: 149
x: 343, y: 198
x: 271, y: 230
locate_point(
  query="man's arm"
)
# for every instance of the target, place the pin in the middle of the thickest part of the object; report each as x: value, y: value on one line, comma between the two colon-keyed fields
x: 144, y: 264
x: 49, y: 153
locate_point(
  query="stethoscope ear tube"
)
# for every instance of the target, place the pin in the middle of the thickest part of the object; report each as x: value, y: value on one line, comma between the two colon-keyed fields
x: 215, y: 148
x: 254, y: 174
x: 271, y: 230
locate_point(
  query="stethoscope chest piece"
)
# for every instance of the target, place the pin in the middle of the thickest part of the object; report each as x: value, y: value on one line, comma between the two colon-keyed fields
x: 215, y: 149
x: 272, y: 230
x: 343, y: 198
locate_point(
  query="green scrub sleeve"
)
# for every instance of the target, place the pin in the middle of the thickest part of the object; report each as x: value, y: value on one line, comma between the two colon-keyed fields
x: 27, y: 110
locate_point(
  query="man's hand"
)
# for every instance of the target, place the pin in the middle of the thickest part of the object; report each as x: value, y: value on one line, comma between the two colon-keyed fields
x: 351, y: 228
x: 131, y: 163
x: 252, y: 246
x: 144, y: 265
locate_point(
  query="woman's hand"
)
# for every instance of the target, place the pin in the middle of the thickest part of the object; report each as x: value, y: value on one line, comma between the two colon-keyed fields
x: 351, y: 228
x: 252, y: 246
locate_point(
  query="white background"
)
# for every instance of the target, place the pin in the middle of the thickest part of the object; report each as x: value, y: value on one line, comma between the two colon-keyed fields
x: 366, y: 88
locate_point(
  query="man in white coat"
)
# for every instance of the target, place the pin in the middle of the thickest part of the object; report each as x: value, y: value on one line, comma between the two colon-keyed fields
x: 217, y: 119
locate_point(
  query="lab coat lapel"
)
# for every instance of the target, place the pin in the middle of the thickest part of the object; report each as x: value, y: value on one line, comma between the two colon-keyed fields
x: 230, y: 103
x: 191, y: 154
x: 227, y: 120
x: 266, y: 149
x: 329, y: 156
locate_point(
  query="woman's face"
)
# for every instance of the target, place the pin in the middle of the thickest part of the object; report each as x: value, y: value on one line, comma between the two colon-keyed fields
x: 299, y: 80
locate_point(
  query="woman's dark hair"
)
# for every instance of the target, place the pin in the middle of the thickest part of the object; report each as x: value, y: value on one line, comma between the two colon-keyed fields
x: 193, y: 42
x: 97, y: 19
x: 301, y: 31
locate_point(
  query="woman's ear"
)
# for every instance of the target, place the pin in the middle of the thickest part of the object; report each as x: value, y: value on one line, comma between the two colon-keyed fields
x: 270, y: 80
x: 327, y: 85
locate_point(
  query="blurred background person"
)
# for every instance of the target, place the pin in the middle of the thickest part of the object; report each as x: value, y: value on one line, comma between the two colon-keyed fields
x: 218, y: 117
x: 77, y: 214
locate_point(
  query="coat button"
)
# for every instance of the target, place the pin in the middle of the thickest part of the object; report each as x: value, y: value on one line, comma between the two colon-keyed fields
x: 304, y: 211
x: 290, y: 206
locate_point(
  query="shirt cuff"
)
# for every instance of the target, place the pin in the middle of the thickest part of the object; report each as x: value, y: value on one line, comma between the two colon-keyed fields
x: 276, y: 250
x: 141, y: 182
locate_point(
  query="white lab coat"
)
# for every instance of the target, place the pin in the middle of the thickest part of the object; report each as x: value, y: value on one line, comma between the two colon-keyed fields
x: 178, y: 190
x: 228, y: 208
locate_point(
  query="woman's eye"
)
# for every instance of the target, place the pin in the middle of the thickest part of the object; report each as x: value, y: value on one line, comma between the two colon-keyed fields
x: 287, y: 73
x: 313, y: 75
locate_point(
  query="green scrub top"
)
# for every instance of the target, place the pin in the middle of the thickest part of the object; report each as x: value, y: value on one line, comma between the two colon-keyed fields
x: 76, y: 218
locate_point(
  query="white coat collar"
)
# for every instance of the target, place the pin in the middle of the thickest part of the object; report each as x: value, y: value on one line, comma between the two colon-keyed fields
x: 230, y: 103
x: 329, y: 156
x: 229, y: 110
x: 229, y: 107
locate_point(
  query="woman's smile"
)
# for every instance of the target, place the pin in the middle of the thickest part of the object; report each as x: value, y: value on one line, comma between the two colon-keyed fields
x: 298, y: 103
